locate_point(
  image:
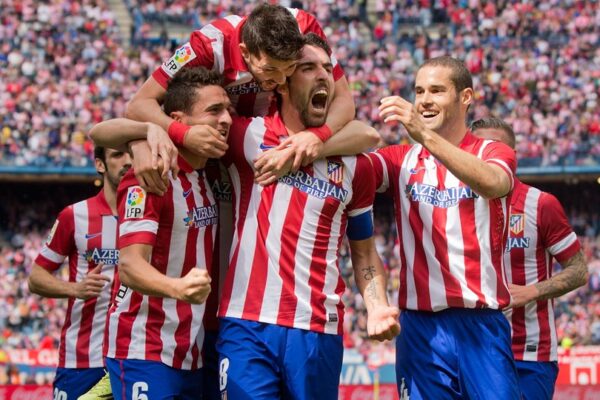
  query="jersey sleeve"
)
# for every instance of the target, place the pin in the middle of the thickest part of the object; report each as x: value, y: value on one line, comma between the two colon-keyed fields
x: 557, y: 235
x: 195, y: 53
x: 360, y: 209
x: 499, y: 154
x: 139, y: 213
x: 386, y: 166
x: 308, y: 23
x: 60, y: 242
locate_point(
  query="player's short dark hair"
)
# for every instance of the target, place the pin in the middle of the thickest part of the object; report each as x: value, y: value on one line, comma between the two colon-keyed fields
x: 312, y: 39
x: 461, y: 77
x: 100, y: 153
x: 272, y: 30
x: 181, y: 92
x: 496, y: 123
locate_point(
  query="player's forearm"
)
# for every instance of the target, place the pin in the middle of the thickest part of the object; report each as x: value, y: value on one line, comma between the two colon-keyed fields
x: 574, y: 275
x: 342, y: 109
x: 148, y: 110
x: 116, y: 133
x: 488, y: 181
x: 43, y: 283
x: 136, y: 273
x: 356, y: 137
x: 369, y: 275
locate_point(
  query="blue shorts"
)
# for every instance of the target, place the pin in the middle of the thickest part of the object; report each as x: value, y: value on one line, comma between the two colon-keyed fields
x: 143, y: 379
x: 70, y: 383
x: 455, y: 354
x: 210, y: 367
x: 537, y: 379
x: 263, y: 361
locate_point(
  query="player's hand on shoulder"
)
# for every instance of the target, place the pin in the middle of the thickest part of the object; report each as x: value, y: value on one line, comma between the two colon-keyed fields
x: 272, y: 165
x: 194, y: 287
x: 306, y: 147
x: 205, y: 141
x: 92, y: 284
x: 151, y: 178
x: 382, y: 323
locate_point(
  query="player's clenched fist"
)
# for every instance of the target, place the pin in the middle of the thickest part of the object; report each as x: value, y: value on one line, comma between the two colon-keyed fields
x: 382, y: 323
x: 194, y: 287
x: 395, y: 108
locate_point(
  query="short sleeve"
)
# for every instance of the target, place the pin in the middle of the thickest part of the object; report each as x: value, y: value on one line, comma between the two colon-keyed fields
x: 60, y: 242
x: 557, y: 235
x: 139, y: 213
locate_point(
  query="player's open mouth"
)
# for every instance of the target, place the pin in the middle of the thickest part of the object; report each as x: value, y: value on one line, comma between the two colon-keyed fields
x: 319, y: 99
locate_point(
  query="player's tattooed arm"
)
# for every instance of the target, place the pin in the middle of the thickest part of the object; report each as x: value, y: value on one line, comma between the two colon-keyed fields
x: 573, y: 275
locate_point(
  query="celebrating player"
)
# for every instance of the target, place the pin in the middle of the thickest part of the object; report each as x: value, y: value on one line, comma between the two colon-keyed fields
x: 84, y: 232
x: 449, y: 194
x: 155, y: 332
x: 538, y: 232
x: 254, y: 54
x: 281, y: 310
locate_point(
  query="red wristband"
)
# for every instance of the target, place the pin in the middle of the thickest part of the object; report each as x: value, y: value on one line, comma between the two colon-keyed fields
x: 177, y: 131
x: 322, y: 132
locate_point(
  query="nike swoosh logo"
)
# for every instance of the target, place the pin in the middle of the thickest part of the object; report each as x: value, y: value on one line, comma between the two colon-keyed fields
x: 187, y: 192
x: 416, y: 170
x: 264, y: 147
x: 92, y: 235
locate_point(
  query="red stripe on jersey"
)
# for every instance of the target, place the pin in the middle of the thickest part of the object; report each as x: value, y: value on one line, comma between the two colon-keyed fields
x: 258, y: 276
x: 318, y: 268
x: 471, y: 251
x: 126, y: 323
x: 421, y: 269
x: 87, y: 313
x: 287, y: 260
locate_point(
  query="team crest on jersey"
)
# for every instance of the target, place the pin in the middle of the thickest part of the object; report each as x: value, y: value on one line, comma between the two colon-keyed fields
x: 200, y: 217
x: 517, y: 223
x: 105, y: 256
x: 182, y: 56
x: 335, y: 172
x: 52, y: 232
x: 135, y: 203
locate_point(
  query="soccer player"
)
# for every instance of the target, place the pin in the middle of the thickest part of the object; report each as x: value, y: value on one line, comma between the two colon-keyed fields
x: 538, y: 232
x: 450, y: 196
x: 85, y: 233
x: 155, y: 330
x: 254, y: 54
x: 281, y: 310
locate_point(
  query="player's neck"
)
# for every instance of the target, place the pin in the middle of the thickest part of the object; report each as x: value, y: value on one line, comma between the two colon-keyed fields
x: 455, y: 133
x: 291, y: 119
x: 110, y: 195
x: 194, y: 160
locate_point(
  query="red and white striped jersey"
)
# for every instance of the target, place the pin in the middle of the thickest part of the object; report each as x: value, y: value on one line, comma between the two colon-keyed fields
x: 85, y: 232
x: 451, y: 239
x: 220, y: 184
x: 538, y: 231
x: 284, y: 262
x: 180, y: 226
x: 216, y: 47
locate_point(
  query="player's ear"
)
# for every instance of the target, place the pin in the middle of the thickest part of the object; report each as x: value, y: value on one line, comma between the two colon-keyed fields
x: 466, y: 96
x: 177, y: 116
x: 100, y: 167
x: 244, y: 51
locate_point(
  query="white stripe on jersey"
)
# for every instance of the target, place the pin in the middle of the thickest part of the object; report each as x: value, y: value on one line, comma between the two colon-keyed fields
x: 408, y: 237
x: 216, y: 36
x: 128, y: 227
x: 52, y: 255
x: 563, y: 244
x: 385, y: 182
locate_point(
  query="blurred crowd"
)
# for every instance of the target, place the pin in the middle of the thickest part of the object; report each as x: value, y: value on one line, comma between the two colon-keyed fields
x: 65, y: 65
